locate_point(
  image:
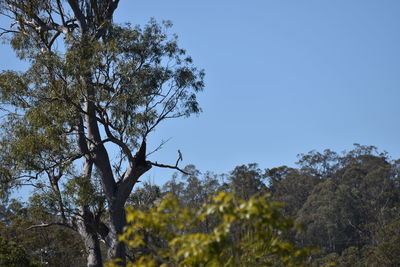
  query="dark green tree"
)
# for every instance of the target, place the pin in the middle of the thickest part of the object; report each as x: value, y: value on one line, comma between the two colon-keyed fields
x: 52, y: 246
x: 290, y: 186
x: 145, y: 196
x: 346, y: 210
x: 246, y: 181
x: 322, y: 165
x: 13, y: 255
x: 92, y: 88
x: 385, y: 251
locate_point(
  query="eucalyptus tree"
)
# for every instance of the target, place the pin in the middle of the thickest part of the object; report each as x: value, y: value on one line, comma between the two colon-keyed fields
x: 74, y: 124
x: 247, y: 180
x: 350, y: 208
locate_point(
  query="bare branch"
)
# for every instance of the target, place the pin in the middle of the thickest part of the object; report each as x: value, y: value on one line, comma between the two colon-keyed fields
x: 168, y: 166
x: 61, y: 12
x: 30, y: 184
x: 44, y: 225
x: 5, y: 31
x: 28, y: 177
x: 52, y: 40
x: 160, y: 146
x: 116, y: 141
x: 65, y: 161
x: 54, y: 179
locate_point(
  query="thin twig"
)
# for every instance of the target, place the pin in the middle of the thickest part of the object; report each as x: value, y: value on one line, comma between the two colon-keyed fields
x: 163, y: 142
x: 5, y: 31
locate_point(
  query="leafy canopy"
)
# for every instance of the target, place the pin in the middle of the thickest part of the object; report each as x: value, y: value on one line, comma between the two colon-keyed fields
x: 139, y: 77
x: 249, y: 233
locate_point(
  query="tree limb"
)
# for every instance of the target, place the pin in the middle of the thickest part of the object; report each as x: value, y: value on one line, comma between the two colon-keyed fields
x: 5, y: 31
x: 79, y: 15
x: 111, y: 7
x: 168, y: 166
x: 44, y: 225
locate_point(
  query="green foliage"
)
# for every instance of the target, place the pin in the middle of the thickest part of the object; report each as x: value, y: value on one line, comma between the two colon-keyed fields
x: 246, y: 181
x: 145, y: 197
x: 342, y: 210
x: 194, y: 189
x: 83, y: 191
x: 139, y: 77
x: 92, y: 93
x: 386, y: 251
x: 352, y: 215
x: 164, y: 234
x: 290, y: 186
x: 12, y: 255
x: 50, y: 246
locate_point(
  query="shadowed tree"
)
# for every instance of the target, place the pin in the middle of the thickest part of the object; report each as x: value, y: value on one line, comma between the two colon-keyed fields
x: 318, y: 164
x: 348, y: 209
x: 11, y: 254
x: 290, y: 186
x: 246, y: 181
x: 52, y: 246
x: 92, y: 88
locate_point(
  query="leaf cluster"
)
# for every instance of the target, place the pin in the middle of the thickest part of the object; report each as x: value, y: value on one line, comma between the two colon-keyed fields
x: 260, y: 244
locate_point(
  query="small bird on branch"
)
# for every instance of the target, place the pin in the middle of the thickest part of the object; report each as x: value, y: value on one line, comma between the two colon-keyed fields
x: 180, y: 158
x: 180, y: 155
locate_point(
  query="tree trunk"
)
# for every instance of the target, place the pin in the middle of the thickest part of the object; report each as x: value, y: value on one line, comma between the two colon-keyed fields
x: 86, y: 223
x: 86, y: 228
x: 115, y: 248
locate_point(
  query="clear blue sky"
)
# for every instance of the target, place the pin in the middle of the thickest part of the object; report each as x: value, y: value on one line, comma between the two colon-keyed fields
x: 282, y: 78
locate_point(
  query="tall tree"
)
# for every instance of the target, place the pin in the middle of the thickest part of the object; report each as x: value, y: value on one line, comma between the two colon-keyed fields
x: 290, y: 186
x: 246, y: 181
x: 92, y: 88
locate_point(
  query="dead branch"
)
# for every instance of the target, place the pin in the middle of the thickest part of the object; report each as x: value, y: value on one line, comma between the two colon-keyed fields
x: 45, y: 225
x: 168, y: 166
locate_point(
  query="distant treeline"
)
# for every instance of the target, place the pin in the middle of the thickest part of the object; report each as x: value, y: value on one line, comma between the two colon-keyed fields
x: 347, y: 203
